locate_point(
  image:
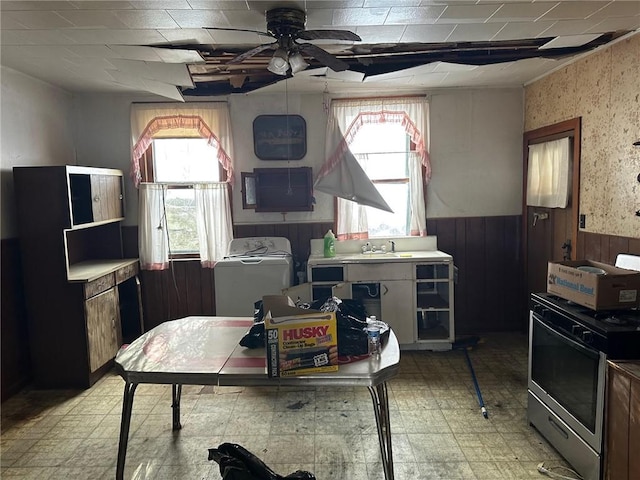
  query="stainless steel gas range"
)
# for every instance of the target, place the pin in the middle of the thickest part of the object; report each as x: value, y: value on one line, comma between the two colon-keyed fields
x: 568, y: 349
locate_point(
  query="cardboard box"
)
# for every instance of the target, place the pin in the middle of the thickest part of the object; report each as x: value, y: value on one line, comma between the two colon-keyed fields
x: 617, y: 289
x: 299, y: 341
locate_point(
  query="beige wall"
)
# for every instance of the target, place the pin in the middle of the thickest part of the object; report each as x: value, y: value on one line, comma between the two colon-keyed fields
x: 603, y: 89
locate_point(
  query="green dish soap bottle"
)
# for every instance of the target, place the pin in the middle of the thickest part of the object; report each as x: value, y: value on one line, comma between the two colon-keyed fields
x: 329, y: 244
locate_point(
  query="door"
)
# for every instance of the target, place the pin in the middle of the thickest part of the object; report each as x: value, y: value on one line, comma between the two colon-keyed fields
x: 106, y: 196
x: 397, y: 308
x: 550, y: 234
x: 103, y: 328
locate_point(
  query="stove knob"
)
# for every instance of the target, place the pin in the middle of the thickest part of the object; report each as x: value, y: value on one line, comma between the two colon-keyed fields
x: 587, y: 337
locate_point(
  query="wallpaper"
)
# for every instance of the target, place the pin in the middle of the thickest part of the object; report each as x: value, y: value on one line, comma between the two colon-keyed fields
x: 604, y: 89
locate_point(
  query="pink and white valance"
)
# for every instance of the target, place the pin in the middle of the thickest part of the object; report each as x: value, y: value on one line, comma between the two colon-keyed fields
x: 179, y: 120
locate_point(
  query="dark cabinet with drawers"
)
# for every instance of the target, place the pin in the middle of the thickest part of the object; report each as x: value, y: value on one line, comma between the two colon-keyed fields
x: 83, y: 297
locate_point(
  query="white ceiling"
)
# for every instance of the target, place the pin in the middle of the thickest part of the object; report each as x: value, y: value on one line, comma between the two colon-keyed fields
x: 95, y: 46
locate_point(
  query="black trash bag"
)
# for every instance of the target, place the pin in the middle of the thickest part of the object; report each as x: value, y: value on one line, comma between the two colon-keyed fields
x: 351, y: 319
x: 254, y: 338
x: 237, y: 463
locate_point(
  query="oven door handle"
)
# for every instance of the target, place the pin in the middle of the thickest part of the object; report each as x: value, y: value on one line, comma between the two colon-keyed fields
x: 572, y: 341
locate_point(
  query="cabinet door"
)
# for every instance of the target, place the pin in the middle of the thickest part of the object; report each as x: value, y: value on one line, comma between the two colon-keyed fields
x: 106, y: 196
x: 396, y: 307
x: 103, y: 328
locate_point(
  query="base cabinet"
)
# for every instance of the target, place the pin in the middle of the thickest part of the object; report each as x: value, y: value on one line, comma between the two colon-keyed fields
x: 414, y: 298
x: 103, y: 328
x: 622, y: 431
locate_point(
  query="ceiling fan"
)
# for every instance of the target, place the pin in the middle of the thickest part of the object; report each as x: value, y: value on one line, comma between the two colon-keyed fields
x: 286, y: 25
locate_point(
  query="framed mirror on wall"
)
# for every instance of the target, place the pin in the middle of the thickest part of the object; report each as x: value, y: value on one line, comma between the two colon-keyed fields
x: 279, y: 137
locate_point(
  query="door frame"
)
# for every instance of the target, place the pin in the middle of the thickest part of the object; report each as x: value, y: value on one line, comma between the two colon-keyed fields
x: 568, y: 128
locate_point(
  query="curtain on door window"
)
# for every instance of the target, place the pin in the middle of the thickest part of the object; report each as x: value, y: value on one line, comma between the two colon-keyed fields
x: 349, y: 116
x: 548, y: 174
x: 213, y: 212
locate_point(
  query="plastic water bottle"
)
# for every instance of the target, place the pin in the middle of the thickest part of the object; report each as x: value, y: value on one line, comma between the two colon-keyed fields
x: 373, y: 338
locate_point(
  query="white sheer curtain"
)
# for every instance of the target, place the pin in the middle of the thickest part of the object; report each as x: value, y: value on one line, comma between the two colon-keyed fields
x: 153, y: 238
x: 213, y: 221
x: 548, y: 174
x: 349, y: 116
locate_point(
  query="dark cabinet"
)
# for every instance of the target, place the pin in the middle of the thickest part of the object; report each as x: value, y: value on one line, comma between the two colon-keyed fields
x: 69, y: 223
x: 622, y: 431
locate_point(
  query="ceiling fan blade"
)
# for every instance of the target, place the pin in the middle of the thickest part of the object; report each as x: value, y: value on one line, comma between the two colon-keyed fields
x: 227, y: 29
x: 328, y: 35
x: 324, y: 57
x: 250, y: 53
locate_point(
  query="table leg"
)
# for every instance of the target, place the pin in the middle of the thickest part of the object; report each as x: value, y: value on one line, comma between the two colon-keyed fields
x: 381, y: 411
x: 176, y: 392
x: 125, y: 423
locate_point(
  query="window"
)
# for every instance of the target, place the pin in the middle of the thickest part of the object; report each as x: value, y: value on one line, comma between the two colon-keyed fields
x: 377, y: 156
x: 382, y: 152
x: 179, y: 163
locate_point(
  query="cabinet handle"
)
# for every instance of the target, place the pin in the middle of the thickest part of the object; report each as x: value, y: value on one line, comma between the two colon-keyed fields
x: 386, y: 289
x: 96, y: 199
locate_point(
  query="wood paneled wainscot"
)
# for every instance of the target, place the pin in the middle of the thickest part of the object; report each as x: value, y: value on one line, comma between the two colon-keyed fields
x: 82, y: 296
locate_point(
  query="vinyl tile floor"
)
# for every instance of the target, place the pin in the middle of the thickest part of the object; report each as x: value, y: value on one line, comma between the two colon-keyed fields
x: 438, y: 431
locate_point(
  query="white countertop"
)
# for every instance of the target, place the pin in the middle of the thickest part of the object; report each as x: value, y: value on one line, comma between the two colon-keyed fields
x: 405, y: 257
x: 93, y: 269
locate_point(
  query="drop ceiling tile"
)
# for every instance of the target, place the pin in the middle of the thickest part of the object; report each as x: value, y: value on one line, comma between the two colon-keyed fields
x: 93, y: 19
x: 520, y: 30
x: 225, y: 37
x: 44, y: 51
x: 115, y: 37
x: 618, y: 9
x: 359, y: 16
x: 467, y: 13
x: 172, y: 73
x: 427, y: 34
x: 332, y: 3
x: 615, y: 23
x: 6, y: 5
x: 521, y: 12
x: 429, y: 79
x: 133, y: 52
x: 407, y: 72
x: 186, y: 35
x: 9, y: 23
x: 573, y: 10
x: 101, y: 5
x: 454, y: 67
x: 146, y: 19
x: 38, y: 20
x: 414, y: 15
x: 221, y: 4
x: 391, y: 3
x: 250, y: 19
x: 570, y: 41
x: 381, y: 33
x: 478, y: 32
x: 570, y: 27
x: 34, y: 37
x: 179, y: 56
x: 93, y: 51
x: 199, y: 18
x: 162, y: 4
x: 319, y: 18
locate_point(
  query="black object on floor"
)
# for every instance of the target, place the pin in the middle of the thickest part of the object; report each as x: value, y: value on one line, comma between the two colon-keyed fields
x: 238, y: 463
x: 465, y: 344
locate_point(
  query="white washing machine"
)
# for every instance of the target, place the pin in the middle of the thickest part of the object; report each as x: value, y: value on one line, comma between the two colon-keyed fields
x: 255, y: 266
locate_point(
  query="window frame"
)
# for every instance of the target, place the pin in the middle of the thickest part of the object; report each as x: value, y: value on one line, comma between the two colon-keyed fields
x: 147, y: 173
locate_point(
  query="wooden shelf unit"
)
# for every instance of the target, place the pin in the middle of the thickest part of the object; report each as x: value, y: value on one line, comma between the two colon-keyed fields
x: 69, y: 223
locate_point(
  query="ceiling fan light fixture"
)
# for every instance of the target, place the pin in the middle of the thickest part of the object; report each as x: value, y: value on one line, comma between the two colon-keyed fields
x: 279, y: 63
x: 297, y: 63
